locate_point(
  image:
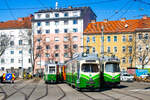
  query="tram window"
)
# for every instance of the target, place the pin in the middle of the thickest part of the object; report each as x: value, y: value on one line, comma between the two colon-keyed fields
x: 52, y: 69
x: 46, y: 69
x: 90, y: 68
x: 112, y: 67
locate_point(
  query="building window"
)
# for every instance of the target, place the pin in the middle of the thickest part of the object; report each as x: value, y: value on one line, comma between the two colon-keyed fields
x: 38, y: 55
x: 29, y: 51
x: 75, y: 46
x: 115, y: 38
x: 20, y: 42
x: 130, y: 38
x: 146, y: 36
x: 47, y: 47
x: 39, y: 47
x: 29, y: 60
x: 56, y: 15
x: 75, y: 21
x: 75, y: 30
x: 65, y: 30
x: 65, y: 39
x: 38, y: 39
x: 65, y: 22
x: 123, y: 60
x: 3, y: 68
x: 93, y: 49
x: 2, y: 61
x: 139, y: 48
x: 115, y: 49
x: 108, y: 49
x: 56, y: 22
x: 65, y: 46
x: 38, y: 23
x: 75, y: 13
x: 130, y: 60
x: 75, y: 38
x: 123, y: 48
x: 56, y: 39
x: 38, y: 15
x: 140, y: 59
x: 93, y: 39
x: 108, y: 39
x: 65, y: 55
x: 11, y: 52
x: 12, y: 60
x: 47, y: 15
x: 11, y: 43
x: 87, y: 39
x: 140, y: 36
x: 56, y: 55
x: 56, y: 30
x: 20, y: 52
x: 130, y: 49
x: 47, y: 31
x: 56, y: 47
x: 102, y: 38
x: 123, y: 38
x: 47, y: 55
x: 47, y: 23
x: 39, y: 31
x: 66, y: 14
x: 87, y: 50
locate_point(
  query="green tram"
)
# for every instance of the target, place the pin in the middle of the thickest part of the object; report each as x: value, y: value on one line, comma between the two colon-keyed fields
x: 110, y: 71
x: 83, y: 71
x: 52, y: 73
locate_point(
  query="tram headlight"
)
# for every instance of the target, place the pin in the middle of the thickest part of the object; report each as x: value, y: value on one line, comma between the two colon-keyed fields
x: 90, y: 79
x: 113, y: 78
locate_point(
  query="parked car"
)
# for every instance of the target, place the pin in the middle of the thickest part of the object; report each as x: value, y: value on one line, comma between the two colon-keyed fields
x: 126, y: 77
x: 145, y: 75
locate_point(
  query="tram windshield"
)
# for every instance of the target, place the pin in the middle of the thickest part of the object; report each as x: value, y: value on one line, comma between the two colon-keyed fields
x: 90, y: 68
x: 112, y: 67
x: 52, y: 69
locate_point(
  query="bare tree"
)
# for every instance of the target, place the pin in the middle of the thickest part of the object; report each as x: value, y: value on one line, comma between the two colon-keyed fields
x: 4, y: 43
x: 143, y: 49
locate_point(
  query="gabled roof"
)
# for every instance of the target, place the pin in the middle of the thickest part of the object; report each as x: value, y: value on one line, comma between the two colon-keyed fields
x: 24, y: 22
x: 117, y: 26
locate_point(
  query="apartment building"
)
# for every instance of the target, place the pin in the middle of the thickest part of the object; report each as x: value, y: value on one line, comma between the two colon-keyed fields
x: 58, y: 34
x: 17, y: 55
x: 120, y: 39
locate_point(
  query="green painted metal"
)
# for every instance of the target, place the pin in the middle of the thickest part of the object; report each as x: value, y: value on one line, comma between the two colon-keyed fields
x: 50, y: 77
x: 109, y: 78
x: 85, y: 81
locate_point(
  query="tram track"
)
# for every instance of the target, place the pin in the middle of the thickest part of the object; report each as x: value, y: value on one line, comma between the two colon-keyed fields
x: 64, y: 94
x: 46, y: 87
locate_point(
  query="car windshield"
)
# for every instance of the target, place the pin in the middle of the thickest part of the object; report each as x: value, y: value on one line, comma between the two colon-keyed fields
x: 112, y: 67
x: 126, y: 75
x: 52, y: 69
x: 89, y: 67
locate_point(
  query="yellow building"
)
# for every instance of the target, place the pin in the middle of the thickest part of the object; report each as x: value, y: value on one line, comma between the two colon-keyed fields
x: 119, y: 39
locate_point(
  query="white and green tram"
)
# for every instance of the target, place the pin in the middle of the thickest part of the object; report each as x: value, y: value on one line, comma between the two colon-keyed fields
x: 83, y: 71
x: 110, y: 71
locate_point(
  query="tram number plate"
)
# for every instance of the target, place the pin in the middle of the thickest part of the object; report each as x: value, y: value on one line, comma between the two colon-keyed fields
x: 91, y: 82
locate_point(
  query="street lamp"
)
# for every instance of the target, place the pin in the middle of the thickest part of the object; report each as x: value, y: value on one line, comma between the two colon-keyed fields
x: 102, y: 46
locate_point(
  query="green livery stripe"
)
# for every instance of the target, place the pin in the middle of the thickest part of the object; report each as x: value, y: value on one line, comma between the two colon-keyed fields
x: 109, y: 76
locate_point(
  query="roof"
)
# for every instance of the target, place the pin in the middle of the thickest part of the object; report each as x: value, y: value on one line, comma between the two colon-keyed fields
x: 117, y: 26
x: 24, y: 22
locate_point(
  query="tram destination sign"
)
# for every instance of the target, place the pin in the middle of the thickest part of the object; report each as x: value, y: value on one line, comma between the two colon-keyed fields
x: 90, y: 60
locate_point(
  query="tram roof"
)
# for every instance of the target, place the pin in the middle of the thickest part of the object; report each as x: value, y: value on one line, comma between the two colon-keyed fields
x: 109, y: 58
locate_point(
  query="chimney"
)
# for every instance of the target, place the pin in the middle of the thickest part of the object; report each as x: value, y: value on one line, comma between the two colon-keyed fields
x: 144, y: 17
x: 20, y: 19
x: 105, y: 20
x: 123, y: 19
x: 93, y: 21
x: 70, y: 7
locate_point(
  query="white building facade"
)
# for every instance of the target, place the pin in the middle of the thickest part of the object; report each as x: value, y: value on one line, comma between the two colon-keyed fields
x: 17, y: 56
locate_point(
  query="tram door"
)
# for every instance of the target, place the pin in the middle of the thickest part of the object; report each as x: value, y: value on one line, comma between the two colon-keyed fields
x: 78, y: 72
x: 102, y: 75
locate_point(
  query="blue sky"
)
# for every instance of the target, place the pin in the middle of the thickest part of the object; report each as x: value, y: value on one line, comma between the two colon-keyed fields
x: 104, y: 9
